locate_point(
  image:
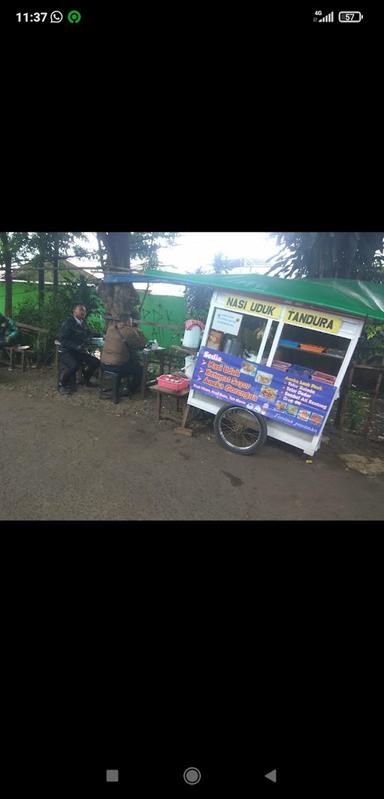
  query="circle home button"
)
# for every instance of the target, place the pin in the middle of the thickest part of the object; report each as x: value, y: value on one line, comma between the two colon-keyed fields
x: 192, y: 775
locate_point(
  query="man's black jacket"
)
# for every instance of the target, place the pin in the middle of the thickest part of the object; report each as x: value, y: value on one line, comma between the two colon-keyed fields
x: 74, y: 337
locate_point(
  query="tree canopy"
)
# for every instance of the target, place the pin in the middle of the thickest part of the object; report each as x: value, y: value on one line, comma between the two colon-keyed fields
x: 13, y: 248
x: 118, y: 250
x: 41, y: 251
x: 348, y: 255
x: 198, y: 298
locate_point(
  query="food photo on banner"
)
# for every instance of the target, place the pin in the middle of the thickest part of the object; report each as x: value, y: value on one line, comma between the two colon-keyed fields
x: 288, y: 394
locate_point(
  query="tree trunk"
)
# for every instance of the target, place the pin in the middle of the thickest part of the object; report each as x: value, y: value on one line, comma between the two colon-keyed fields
x: 41, y: 273
x: 55, y: 265
x: 335, y: 262
x: 117, y: 297
x: 321, y: 263
x: 99, y: 242
x: 8, y: 274
x: 118, y: 250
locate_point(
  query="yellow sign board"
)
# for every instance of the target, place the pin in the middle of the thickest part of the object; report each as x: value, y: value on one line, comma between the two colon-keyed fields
x: 250, y: 305
x: 303, y: 317
x: 316, y: 320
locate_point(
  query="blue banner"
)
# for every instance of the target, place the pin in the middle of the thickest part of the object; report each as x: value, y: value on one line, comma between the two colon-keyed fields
x: 293, y: 397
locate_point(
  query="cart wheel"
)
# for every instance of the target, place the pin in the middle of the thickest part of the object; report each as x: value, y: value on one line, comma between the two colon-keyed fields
x: 239, y: 429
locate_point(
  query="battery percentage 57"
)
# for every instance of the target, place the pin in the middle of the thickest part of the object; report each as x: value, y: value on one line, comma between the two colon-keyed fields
x: 350, y: 16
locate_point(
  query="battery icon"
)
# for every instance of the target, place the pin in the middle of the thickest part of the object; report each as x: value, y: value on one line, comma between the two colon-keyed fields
x: 350, y: 16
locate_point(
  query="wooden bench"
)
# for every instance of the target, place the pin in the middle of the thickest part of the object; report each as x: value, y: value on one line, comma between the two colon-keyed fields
x: 25, y: 353
x: 160, y: 391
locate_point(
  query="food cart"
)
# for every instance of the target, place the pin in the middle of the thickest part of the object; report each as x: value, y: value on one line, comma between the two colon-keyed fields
x: 274, y: 354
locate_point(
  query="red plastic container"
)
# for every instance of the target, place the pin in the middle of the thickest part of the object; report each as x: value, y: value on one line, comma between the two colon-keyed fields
x: 172, y: 382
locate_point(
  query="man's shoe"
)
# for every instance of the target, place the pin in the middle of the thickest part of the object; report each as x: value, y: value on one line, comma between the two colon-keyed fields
x: 64, y: 391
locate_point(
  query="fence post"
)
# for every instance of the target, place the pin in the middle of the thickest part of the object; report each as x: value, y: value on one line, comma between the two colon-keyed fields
x: 372, y: 405
x: 344, y: 390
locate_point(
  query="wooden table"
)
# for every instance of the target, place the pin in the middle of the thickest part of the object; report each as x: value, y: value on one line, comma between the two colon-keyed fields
x: 145, y: 355
x: 178, y: 395
x: 92, y: 346
x: 176, y: 350
x: 188, y: 350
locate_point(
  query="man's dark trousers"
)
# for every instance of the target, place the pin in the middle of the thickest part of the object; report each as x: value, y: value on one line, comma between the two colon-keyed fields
x: 69, y: 362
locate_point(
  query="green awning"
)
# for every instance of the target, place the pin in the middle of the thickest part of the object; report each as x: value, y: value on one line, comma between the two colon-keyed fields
x: 348, y: 297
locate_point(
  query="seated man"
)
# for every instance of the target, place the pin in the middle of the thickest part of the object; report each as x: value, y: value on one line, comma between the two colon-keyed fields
x: 74, y: 339
x: 8, y: 331
x: 120, y: 352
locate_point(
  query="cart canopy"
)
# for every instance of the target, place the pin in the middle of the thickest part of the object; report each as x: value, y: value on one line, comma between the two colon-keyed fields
x: 348, y: 297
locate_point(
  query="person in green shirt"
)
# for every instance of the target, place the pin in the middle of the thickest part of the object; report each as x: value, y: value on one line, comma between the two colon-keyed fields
x: 8, y: 331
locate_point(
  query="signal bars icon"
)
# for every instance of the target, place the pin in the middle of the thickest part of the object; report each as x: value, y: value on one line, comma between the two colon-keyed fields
x: 328, y: 18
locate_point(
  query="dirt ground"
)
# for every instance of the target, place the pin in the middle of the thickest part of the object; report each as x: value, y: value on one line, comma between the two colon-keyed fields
x: 81, y: 457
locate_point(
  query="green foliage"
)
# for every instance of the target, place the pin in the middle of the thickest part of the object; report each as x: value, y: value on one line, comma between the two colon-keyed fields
x: 26, y: 248
x: 357, y: 256
x: 56, y: 308
x: 18, y: 244
x: 32, y: 251
x: 370, y: 349
x: 58, y: 244
x: 96, y: 323
x: 198, y: 298
x: 145, y: 246
x: 373, y: 331
x: 358, y: 404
